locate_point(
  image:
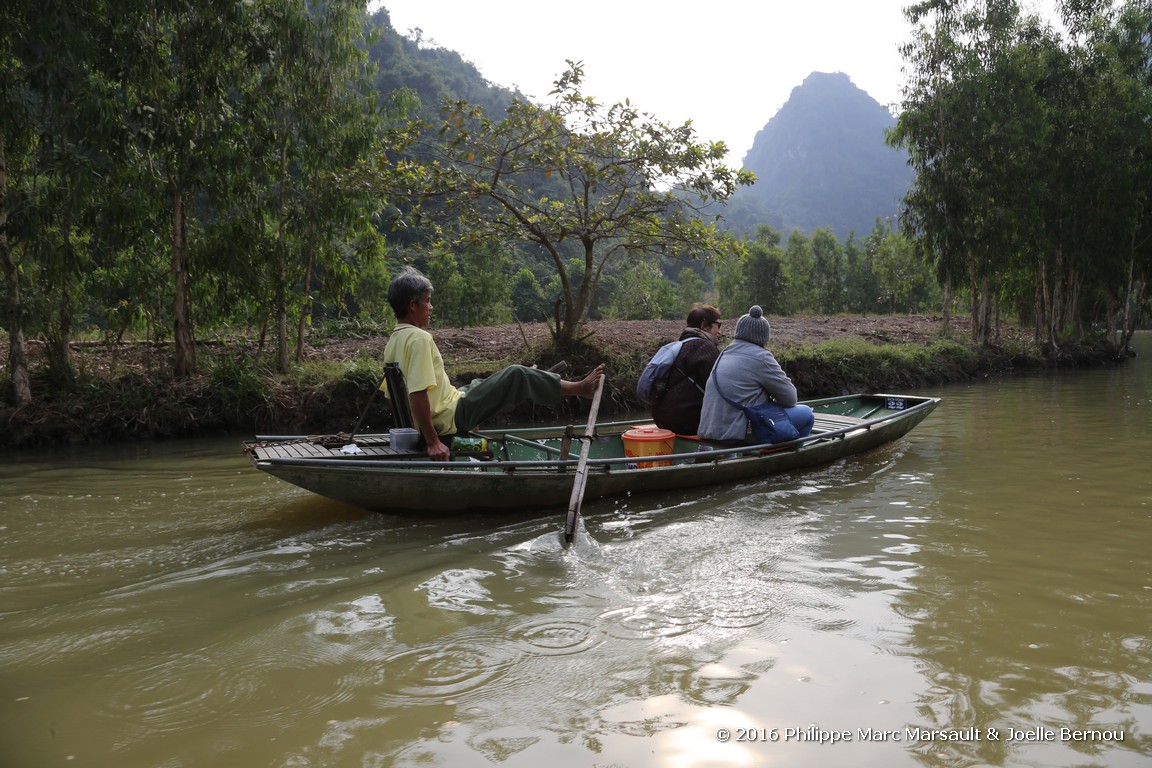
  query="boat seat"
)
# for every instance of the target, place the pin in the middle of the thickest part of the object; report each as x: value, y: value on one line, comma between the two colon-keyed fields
x: 397, y: 390
x: 836, y: 418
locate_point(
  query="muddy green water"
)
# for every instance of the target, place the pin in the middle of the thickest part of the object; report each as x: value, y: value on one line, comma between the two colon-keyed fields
x: 979, y: 593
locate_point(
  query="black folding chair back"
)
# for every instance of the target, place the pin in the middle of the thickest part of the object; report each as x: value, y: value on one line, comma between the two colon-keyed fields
x: 398, y: 395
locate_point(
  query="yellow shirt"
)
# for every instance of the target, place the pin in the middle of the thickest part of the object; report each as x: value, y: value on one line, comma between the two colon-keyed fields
x: 423, y: 367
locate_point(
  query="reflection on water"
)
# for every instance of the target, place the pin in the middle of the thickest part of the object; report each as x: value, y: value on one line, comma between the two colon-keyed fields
x: 167, y: 605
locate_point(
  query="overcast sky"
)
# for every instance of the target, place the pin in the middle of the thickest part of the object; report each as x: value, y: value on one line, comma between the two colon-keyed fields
x: 727, y: 65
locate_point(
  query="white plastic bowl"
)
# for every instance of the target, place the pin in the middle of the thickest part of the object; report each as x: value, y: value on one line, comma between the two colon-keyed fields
x: 404, y: 438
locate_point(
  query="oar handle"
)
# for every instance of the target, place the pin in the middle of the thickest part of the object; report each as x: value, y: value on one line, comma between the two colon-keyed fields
x: 582, y: 466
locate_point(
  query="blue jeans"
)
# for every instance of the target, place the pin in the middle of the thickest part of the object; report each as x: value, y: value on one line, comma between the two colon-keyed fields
x: 802, y: 418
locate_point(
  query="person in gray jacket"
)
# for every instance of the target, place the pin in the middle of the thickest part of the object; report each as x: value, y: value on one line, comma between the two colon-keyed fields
x: 749, y: 375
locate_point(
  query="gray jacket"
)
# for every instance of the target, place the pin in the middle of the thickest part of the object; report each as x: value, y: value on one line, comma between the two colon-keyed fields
x: 749, y: 375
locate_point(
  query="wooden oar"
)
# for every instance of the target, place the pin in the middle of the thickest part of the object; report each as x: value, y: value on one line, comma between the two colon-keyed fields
x: 582, y: 466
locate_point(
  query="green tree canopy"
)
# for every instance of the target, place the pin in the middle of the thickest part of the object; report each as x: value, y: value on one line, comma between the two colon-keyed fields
x: 582, y: 181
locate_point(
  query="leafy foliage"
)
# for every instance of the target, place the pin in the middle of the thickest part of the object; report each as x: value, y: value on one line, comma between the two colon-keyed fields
x: 574, y: 178
x: 171, y: 170
x: 1033, y: 156
x: 471, y: 288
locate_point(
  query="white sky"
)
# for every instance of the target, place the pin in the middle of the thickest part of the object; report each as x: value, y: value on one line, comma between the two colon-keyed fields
x: 727, y: 65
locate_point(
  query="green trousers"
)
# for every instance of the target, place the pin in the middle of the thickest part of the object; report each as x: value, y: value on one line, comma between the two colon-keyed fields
x: 503, y: 391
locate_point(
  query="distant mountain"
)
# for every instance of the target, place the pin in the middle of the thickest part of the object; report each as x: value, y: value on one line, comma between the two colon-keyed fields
x: 822, y: 162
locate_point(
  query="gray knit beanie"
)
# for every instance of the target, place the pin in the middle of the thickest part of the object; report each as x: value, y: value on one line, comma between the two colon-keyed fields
x: 754, y: 327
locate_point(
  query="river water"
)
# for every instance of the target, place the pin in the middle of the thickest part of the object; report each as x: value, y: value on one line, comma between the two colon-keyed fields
x: 979, y: 593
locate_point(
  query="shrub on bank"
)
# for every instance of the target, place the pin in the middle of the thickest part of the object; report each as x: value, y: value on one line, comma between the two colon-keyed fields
x: 239, y: 393
x: 845, y: 366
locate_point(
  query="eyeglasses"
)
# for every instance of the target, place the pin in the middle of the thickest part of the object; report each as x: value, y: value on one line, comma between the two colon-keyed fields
x: 717, y: 324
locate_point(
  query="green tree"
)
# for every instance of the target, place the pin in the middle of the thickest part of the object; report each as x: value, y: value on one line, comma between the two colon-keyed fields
x: 1031, y: 157
x: 902, y: 281
x: 690, y: 288
x: 528, y: 302
x: 472, y: 286
x: 16, y: 138
x: 758, y: 277
x: 934, y: 127
x: 799, y: 262
x: 184, y: 68
x: 313, y: 109
x: 731, y: 290
x: 859, y: 280
x: 641, y: 292
x: 53, y: 146
x: 827, y: 271
x: 603, y: 181
x: 1113, y: 57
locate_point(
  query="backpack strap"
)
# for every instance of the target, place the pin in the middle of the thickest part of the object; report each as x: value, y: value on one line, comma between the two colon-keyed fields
x: 683, y: 372
x: 719, y: 389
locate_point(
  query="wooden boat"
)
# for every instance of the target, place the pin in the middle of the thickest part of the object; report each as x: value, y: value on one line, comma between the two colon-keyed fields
x: 534, y: 467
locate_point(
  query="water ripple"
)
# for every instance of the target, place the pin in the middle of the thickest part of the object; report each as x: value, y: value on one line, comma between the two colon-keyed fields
x: 176, y: 694
x: 428, y: 674
x: 648, y: 621
x: 556, y: 637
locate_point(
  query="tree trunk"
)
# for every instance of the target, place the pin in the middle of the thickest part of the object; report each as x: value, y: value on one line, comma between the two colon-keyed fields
x: 306, y: 308
x: 974, y: 305
x: 17, y: 350
x: 981, y: 311
x: 59, y: 350
x: 1038, y: 304
x: 281, y: 317
x: 1044, y: 319
x: 1073, y: 320
x: 185, y: 343
x: 282, y: 266
x: 948, y: 306
x: 1135, y: 299
x: 1111, y: 312
x: 1056, y: 301
x: 996, y: 326
x: 1125, y: 334
x: 985, y: 309
x: 566, y: 317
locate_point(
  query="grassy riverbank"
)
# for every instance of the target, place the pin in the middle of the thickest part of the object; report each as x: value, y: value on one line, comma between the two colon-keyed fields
x: 126, y: 392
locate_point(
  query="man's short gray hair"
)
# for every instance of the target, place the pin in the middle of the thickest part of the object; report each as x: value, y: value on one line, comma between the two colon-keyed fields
x: 406, y: 287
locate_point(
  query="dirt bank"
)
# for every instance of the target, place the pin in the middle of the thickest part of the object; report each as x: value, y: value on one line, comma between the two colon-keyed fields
x: 501, y: 342
x: 126, y: 391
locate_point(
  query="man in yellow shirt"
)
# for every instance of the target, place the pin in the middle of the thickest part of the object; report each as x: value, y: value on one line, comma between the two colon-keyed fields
x: 438, y: 408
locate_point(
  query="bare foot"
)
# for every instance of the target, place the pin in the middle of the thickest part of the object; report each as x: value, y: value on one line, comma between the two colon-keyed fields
x: 588, y: 386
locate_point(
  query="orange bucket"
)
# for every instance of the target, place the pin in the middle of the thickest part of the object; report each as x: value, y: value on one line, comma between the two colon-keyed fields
x: 648, y: 440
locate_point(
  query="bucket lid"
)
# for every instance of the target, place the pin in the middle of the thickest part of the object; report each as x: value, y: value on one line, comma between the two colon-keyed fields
x: 649, y: 432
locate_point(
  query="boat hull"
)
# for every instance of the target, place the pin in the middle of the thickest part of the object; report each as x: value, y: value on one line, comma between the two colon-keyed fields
x: 525, y: 481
